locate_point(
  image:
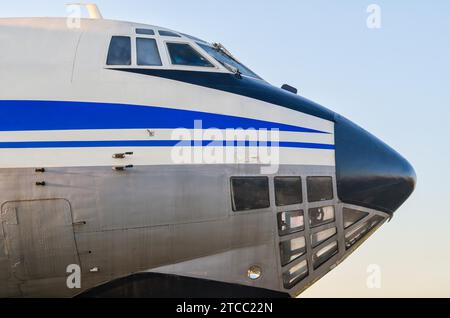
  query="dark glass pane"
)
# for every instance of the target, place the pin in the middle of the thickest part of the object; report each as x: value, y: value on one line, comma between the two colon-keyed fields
x: 184, y: 54
x: 352, y: 217
x: 119, y: 51
x: 290, y: 222
x: 145, y: 31
x: 292, y: 250
x: 147, y: 52
x: 295, y: 275
x: 250, y: 193
x: 361, y: 231
x: 320, y: 189
x: 324, y: 254
x: 321, y: 216
x: 288, y: 191
x: 320, y: 237
x: 169, y: 33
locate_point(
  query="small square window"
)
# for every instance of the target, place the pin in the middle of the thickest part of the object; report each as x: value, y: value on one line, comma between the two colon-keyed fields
x: 292, y: 249
x: 295, y: 275
x: 145, y: 31
x: 320, y: 189
x: 320, y: 237
x: 290, y: 222
x: 355, y: 235
x: 321, y: 216
x: 250, y: 193
x: 288, y: 191
x: 352, y: 216
x: 169, y: 33
x: 325, y: 254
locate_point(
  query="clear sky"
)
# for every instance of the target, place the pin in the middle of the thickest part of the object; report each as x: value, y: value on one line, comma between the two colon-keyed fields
x: 393, y: 81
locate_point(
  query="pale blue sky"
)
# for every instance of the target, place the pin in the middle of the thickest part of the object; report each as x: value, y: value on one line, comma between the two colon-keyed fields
x: 395, y: 82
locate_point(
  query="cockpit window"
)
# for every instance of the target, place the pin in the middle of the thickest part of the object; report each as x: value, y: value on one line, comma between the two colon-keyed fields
x: 145, y: 31
x: 147, y: 52
x: 184, y: 54
x: 224, y: 58
x: 119, y: 51
x: 168, y: 33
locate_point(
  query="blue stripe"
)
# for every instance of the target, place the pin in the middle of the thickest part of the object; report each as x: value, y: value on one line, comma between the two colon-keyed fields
x: 158, y: 143
x: 61, y: 115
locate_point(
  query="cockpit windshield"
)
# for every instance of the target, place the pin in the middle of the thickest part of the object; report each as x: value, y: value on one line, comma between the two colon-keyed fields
x: 218, y: 52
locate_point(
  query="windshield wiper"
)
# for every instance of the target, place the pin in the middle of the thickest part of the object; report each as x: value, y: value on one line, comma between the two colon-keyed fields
x: 233, y: 69
x: 221, y: 49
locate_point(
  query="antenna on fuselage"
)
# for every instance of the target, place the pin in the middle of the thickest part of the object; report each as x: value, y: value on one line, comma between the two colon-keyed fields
x: 92, y: 9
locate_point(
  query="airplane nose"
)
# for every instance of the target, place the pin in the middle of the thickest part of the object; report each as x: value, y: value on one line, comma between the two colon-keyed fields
x: 370, y: 173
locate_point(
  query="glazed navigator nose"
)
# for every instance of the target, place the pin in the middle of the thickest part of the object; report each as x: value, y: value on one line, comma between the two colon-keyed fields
x: 369, y: 172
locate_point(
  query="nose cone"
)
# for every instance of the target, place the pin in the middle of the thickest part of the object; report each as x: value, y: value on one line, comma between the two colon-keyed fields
x: 369, y: 172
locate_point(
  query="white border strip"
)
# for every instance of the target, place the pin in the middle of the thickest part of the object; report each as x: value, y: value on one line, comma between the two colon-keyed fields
x: 142, y: 134
x: 93, y: 157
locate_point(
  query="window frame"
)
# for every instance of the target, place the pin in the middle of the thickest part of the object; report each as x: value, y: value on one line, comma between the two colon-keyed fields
x: 325, y: 222
x: 317, y: 231
x: 291, y: 230
x: 296, y: 278
x: 108, y: 47
x: 326, y: 257
x: 157, y: 48
x: 174, y: 34
x: 362, y: 235
x: 133, y: 37
x: 232, y: 195
x: 364, y: 216
x: 333, y: 194
x: 302, y: 199
x: 291, y: 257
x: 197, y: 49
x: 141, y: 31
x: 161, y: 42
